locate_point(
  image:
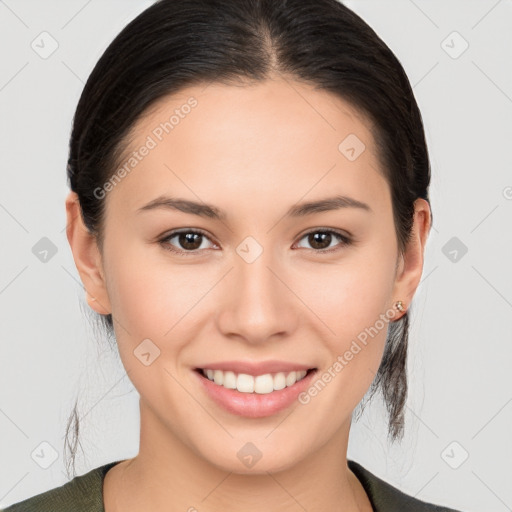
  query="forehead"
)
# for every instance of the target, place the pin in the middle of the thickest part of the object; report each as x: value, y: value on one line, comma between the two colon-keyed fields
x: 268, y: 137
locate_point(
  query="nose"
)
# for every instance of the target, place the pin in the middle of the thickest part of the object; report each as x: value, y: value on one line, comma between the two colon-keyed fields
x: 256, y: 304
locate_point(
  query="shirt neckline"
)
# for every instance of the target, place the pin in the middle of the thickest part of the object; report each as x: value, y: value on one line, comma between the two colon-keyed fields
x: 362, y: 474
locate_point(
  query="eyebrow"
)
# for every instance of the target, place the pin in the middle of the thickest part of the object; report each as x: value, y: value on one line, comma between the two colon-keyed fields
x: 297, y: 210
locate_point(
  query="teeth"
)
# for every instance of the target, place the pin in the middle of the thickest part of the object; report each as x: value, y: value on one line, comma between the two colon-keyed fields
x: 229, y: 380
x: 218, y: 377
x: 279, y: 381
x: 262, y: 384
x: 245, y: 383
x: 291, y: 379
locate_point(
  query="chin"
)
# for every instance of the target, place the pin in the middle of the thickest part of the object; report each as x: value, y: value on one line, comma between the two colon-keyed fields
x: 254, y: 458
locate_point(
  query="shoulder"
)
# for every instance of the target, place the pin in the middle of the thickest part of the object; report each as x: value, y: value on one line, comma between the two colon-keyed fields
x: 386, y: 498
x: 83, y: 493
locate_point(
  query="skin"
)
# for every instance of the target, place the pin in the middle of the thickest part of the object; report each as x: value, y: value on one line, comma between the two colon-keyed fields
x: 252, y: 151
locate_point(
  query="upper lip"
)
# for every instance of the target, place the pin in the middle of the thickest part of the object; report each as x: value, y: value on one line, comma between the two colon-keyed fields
x: 256, y: 368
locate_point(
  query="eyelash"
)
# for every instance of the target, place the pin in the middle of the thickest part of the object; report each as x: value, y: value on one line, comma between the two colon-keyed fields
x: 344, y: 241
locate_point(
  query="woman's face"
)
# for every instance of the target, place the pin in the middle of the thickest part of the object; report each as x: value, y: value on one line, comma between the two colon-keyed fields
x: 262, y: 282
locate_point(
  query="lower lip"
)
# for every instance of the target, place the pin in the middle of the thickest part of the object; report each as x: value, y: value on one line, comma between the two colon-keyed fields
x: 254, y: 405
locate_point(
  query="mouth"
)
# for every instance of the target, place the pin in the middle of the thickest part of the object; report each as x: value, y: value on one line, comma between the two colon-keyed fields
x: 254, y: 384
x: 249, y: 392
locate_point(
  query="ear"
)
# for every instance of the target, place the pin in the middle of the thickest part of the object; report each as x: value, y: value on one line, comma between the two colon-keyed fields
x: 410, y: 266
x: 87, y: 257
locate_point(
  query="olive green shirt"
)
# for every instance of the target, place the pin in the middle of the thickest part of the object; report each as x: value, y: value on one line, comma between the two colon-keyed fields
x: 85, y: 494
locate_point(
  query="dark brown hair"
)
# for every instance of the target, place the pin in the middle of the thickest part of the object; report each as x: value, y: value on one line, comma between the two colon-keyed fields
x: 179, y: 43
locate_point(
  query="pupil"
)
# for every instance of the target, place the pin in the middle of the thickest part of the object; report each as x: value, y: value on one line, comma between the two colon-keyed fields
x: 321, y: 236
x: 187, y: 240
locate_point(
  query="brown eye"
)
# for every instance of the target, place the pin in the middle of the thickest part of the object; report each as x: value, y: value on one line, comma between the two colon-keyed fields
x: 320, y: 240
x: 189, y: 241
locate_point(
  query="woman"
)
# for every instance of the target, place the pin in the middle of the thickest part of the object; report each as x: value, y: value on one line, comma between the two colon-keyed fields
x: 248, y: 214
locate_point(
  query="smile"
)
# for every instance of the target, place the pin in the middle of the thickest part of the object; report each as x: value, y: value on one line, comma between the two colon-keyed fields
x: 258, y: 395
x: 261, y: 384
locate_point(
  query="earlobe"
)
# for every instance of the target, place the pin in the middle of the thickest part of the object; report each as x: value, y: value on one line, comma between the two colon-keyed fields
x: 87, y: 257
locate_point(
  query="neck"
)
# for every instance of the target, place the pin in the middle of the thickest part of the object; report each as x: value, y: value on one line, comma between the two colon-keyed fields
x: 167, y: 475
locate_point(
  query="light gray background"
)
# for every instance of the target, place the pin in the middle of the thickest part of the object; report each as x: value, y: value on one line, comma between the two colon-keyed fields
x: 461, y: 336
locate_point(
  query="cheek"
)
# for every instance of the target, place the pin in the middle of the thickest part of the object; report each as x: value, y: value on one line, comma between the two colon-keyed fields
x: 149, y: 293
x: 352, y: 294
x: 352, y: 300
x: 354, y: 305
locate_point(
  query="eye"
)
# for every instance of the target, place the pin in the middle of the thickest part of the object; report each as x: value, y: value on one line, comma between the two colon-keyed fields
x: 321, y: 239
x: 190, y: 241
